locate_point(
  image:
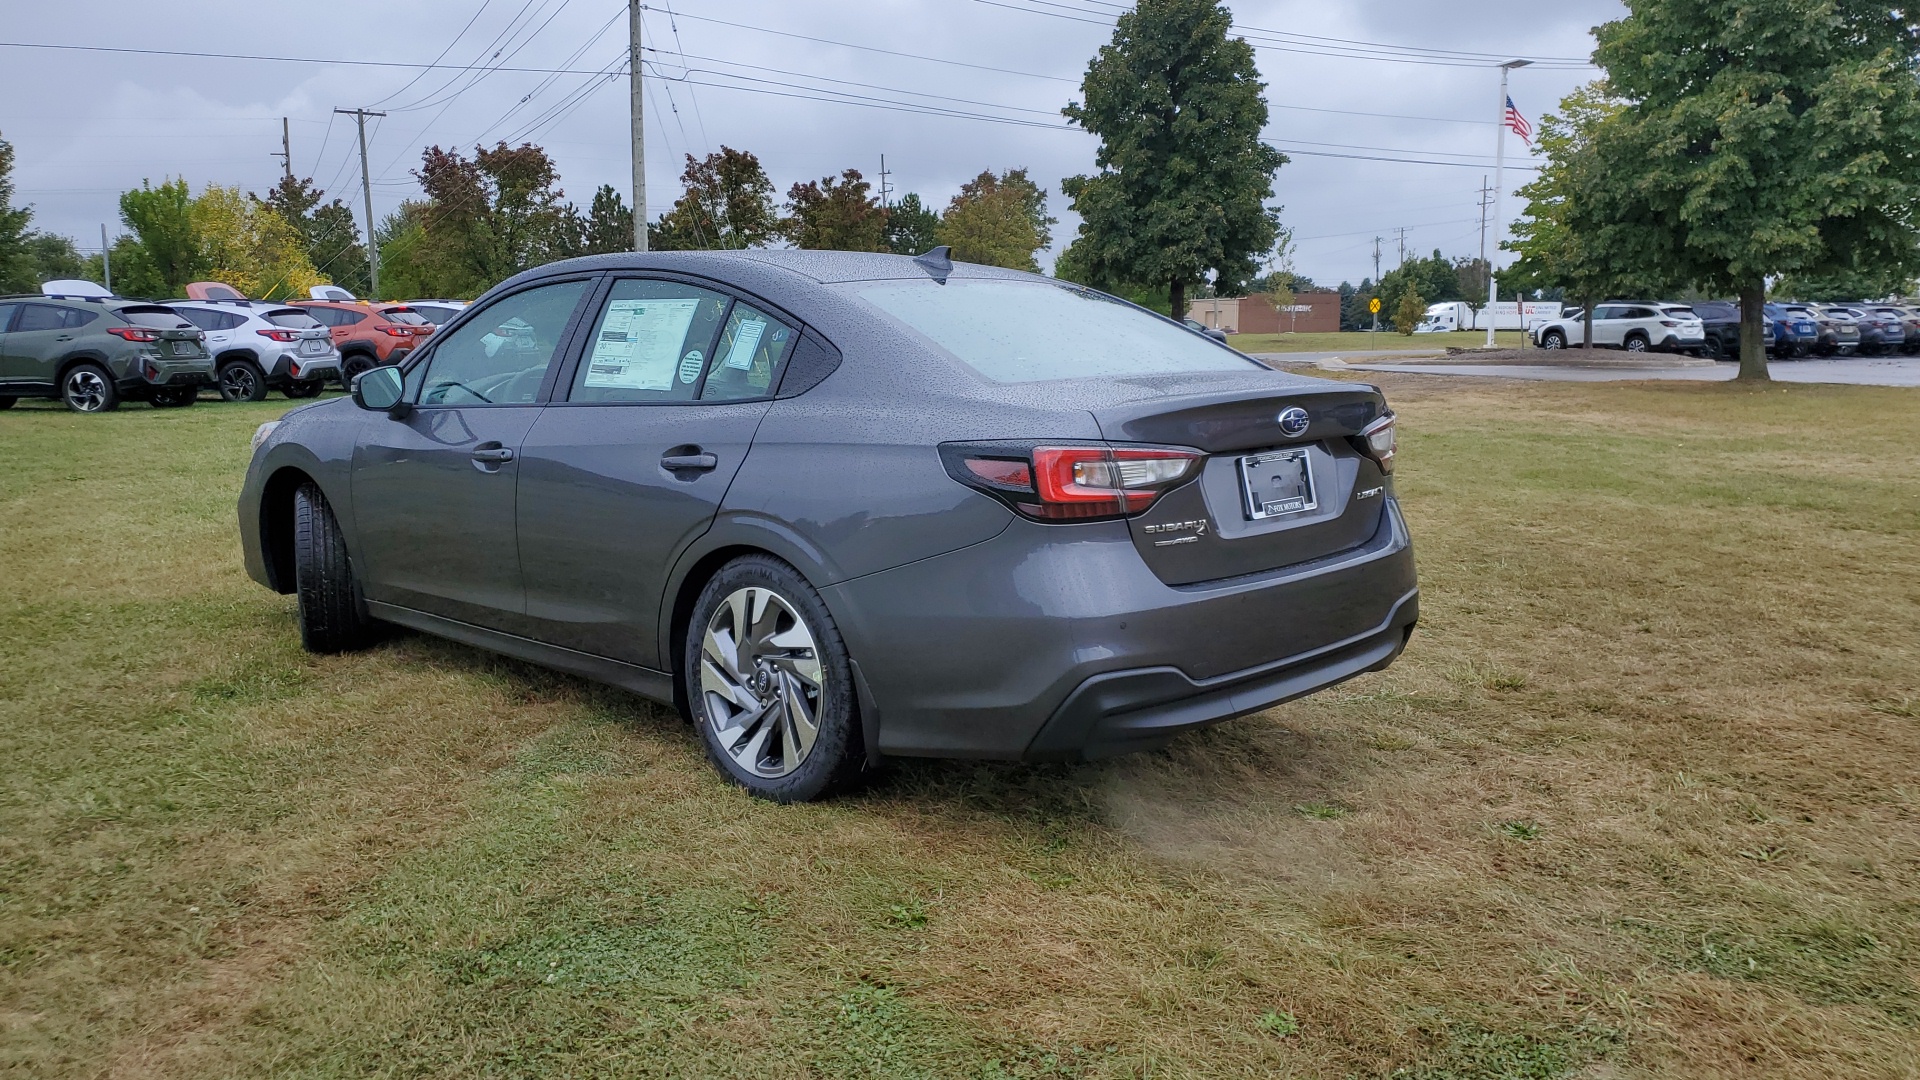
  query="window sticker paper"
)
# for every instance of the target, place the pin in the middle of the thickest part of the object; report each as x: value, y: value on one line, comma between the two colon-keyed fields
x: 639, y: 344
x: 746, y: 341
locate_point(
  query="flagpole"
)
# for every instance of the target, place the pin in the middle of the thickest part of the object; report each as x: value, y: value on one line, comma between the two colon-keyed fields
x: 1499, y: 199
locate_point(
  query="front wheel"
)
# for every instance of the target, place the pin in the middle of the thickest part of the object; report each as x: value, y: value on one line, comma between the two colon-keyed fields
x: 241, y: 381
x: 333, y: 617
x: 304, y: 388
x: 89, y: 389
x: 1554, y: 339
x: 770, y: 684
x: 173, y: 397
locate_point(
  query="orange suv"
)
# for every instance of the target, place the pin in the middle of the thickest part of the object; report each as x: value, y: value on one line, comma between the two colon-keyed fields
x: 368, y: 335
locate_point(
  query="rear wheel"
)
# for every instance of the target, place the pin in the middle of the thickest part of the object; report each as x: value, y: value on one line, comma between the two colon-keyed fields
x: 241, y: 381
x: 173, y: 397
x: 1636, y: 343
x: 333, y: 617
x: 304, y: 388
x: 89, y: 389
x: 770, y: 684
x: 1553, y: 339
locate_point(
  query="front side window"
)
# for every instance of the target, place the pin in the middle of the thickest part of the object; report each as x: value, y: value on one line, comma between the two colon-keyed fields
x: 1029, y: 331
x: 652, y: 343
x: 501, y: 357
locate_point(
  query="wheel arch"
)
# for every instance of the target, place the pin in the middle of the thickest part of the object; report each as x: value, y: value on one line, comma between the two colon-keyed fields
x: 230, y: 355
x: 75, y: 359
x: 276, y: 524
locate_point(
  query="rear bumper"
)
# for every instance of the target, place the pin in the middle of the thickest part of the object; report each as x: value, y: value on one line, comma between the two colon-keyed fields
x: 1051, y: 643
x: 320, y: 366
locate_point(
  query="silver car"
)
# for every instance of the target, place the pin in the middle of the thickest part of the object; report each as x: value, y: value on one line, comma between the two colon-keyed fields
x: 260, y: 345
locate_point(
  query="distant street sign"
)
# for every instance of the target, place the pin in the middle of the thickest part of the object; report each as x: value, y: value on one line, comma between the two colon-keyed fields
x: 1373, y: 305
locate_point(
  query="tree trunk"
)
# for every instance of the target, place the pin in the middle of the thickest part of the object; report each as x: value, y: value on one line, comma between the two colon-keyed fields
x: 1586, y: 331
x: 1753, y: 341
x: 1177, y: 298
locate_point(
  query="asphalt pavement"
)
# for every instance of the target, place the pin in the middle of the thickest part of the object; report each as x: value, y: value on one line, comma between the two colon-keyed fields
x: 1858, y: 371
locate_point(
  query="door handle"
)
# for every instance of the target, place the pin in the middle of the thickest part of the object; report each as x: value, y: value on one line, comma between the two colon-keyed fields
x: 493, y: 455
x: 64, y: 337
x: 689, y: 462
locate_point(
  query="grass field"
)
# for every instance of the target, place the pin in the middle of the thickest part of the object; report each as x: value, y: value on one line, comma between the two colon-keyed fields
x: 1362, y: 342
x: 1643, y: 798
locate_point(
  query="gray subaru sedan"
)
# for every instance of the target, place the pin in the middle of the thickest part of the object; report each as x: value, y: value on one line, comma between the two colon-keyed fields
x: 836, y: 507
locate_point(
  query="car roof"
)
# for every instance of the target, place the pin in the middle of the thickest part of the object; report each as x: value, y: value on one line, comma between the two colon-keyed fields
x: 824, y: 267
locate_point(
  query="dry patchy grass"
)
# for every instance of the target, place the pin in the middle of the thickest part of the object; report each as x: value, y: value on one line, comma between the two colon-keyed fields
x: 1640, y: 800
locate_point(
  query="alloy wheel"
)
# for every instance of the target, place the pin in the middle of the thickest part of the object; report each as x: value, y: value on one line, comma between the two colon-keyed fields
x: 1635, y: 344
x: 238, y: 382
x: 1554, y: 341
x: 760, y: 681
x: 86, y: 391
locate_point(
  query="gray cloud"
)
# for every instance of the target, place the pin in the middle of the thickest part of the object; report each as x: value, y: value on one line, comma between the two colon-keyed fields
x: 87, y: 125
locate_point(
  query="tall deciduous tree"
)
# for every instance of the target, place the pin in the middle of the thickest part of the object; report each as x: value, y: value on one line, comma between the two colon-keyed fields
x: 1184, y: 178
x: 248, y: 244
x: 727, y: 203
x: 165, y: 253
x: 998, y: 220
x: 328, y: 228
x: 16, y: 261
x: 911, y: 228
x: 1761, y: 138
x: 489, y: 216
x: 836, y: 215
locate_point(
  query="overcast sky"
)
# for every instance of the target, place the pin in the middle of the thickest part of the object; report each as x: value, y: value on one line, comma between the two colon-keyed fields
x: 87, y: 125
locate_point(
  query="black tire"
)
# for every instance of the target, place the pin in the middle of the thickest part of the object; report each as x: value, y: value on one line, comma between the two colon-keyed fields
x: 304, y: 388
x: 353, y: 364
x: 7, y: 403
x: 768, y: 736
x: 242, y: 380
x: 333, y: 616
x: 87, y: 388
x: 1553, y: 339
x: 1636, y: 343
x: 173, y: 397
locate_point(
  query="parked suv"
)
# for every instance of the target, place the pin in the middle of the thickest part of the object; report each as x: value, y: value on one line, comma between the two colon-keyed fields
x: 257, y: 346
x: 1880, y: 332
x: 1834, y: 337
x: 1633, y: 326
x: 368, y: 335
x: 1909, y: 324
x: 92, y: 351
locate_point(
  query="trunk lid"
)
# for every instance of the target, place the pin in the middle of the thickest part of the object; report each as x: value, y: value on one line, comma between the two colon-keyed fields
x: 1267, y: 496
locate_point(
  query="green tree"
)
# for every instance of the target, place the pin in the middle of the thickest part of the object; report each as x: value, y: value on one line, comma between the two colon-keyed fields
x: 54, y: 257
x: 837, y: 215
x: 1763, y: 138
x: 247, y: 244
x: 1434, y: 279
x: 329, y: 230
x: 166, y: 252
x: 727, y: 203
x: 1407, y: 314
x: 911, y: 227
x: 401, y: 236
x: 16, y: 258
x: 1184, y: 178
x: 1562, y: 242
x: 998, y: 220
x: 608, y: 227
x: 488, y: 217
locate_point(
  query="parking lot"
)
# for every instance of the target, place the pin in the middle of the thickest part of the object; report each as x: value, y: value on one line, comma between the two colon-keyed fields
x: 1638, y: 800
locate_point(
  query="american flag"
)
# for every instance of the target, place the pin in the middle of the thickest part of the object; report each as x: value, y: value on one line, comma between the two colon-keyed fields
x: 1518, y: 123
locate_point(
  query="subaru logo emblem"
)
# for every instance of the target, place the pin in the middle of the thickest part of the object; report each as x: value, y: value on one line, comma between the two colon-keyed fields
x: 1294, y: 421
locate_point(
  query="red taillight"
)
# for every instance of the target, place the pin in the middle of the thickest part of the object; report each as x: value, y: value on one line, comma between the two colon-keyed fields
x: 134, y: 333
x: 280, y: 335
x: 1668, y: 322
x: 1379, y: 441
x: 398, y: 331
x: 1071, y: 483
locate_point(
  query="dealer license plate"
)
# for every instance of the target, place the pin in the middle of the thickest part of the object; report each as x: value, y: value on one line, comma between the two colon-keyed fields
x: 1278, y: 484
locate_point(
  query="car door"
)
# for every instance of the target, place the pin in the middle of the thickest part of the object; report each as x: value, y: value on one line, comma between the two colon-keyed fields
x: 1607, y: 325
x: 7, y: 372
x: 618, y: 479
x: 40, y: 336
x: 434, y: 491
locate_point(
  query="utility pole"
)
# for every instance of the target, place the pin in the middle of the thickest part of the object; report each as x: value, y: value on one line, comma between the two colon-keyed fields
x: 886, y: 189
x: 1376, y: 263
x: 1402, y: 230
x: 366, y: 191
x: 286, y: 150
x: 1499, y: 191
x: 636, y: 86
x: 1486, y: 201
x: 106, y: 259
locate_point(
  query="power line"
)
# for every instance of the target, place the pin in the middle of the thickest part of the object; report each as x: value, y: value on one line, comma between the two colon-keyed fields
x: 481, y: 10
x: 283, y: 59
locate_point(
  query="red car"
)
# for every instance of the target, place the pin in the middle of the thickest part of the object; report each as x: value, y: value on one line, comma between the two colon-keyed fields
x: 368, y: 335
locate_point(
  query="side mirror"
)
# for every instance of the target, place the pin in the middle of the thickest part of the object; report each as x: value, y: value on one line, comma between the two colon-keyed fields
x: 379, y: 390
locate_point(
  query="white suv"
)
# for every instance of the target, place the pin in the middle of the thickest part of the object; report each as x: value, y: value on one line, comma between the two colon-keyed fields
x: 1633, y: 326
x: 258, y: 345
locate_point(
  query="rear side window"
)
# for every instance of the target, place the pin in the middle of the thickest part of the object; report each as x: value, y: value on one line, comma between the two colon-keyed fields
x: 746, y: 362
x: 652, y: 342
x: 205, y: 320
x: 154, y: 318
x: 1031, y: 331
x: 40, y: 317
x: 292, y: 318
x: 6, y: 315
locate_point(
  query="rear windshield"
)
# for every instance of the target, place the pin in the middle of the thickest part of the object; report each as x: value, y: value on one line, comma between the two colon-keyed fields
x: 155, y: 318
x: 290, y: 317
x: 403, y: 316
x: 1031, y: 331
